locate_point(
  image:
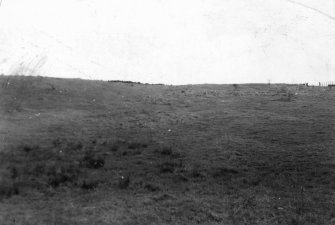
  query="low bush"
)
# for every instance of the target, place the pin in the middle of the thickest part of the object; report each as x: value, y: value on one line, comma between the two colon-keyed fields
x: 168, y: 151
x: 124, y: 182
x: 224, y: 173
x: 89, y: 184
x: 74, y: 146
x: 90, y: 160
x: 152, y: 187
x: 8, y: 189
x: 58, y: 142
x: 8, y: 186
x: 114, y: 147
x: 169, y: 166
x: 137, y: 145
x: 29, y: 149
x: 196, y: 173
x: 62, y: 173
x: 286, y: 93
x: 13, y: 172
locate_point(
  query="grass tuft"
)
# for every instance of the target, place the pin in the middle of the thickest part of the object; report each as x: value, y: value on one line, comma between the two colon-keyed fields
x: 90, y: 160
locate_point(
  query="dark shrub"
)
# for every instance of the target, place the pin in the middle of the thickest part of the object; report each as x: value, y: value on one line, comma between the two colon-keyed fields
x: 144, y: 145
x: 57, y: 179
x: 67, y: 145
x: 180, y: 178
x: 152, y: 187
x: 97, y: 163
x: 57, y: 142
x: 8, y: 189
x: 167, y: 167
x: 13, y: 172
x: 92, y: 161
x: 124, y: 182
x: 89, y: 185
x: 40, y: 168
x: 133, y: 152
x: 224, y: 173
x: 28, y: 149
x: 168, y: 151
x: 134, y: 145
x: 196, y: 173
x: 60, y: 174
x: 114, y: 147
x: 74, y: 146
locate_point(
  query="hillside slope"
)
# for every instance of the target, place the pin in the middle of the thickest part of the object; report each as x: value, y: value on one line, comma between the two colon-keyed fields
x: 93, y: 152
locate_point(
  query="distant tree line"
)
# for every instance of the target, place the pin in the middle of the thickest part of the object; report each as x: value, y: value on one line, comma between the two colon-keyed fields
x: 129, y: 82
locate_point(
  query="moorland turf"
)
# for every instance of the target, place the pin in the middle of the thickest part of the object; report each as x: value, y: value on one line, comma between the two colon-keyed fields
x: 92, y: 152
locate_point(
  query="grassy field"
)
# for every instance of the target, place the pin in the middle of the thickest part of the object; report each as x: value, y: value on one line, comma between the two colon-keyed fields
x: 93, y: 152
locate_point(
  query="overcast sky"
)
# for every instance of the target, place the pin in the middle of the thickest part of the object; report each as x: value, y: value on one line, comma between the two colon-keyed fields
x: 170, y: 41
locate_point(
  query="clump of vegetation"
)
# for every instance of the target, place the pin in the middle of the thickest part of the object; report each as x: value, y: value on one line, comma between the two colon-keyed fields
x: 136, y: 152
x: 23, y: 87
x: 89, y: 184
x: 35, y: 167
x: 169, y: 151
x: 91, y: 160
x: 74, y: 146
x: 286, y: 94
x: 166, y: 151
x: 124, y: 182
x: 169, y: 166
x: 137, y: 145
x: 8, y: 189
x: 172, y: 160
x: 58, y: 142
x: 196, y: 173
x: 289, y: 95
x: 224, y: 173
x: 36, y: 153
x: 28, y: 148
x: 13, y: 171
x: 67, y: 145
x: 114, y: 147
x: 124, y: 81
x: 8, y: 185
x: 62, y: 173
x: 152, y: 187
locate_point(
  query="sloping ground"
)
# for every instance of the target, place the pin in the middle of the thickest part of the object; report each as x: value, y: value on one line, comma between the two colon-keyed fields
x: 91, y: 152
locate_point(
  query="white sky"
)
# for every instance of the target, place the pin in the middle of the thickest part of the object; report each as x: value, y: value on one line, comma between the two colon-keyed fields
x: 170, y: 41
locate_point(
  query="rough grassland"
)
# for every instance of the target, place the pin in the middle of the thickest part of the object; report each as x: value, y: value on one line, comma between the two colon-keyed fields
x: 91, y: 152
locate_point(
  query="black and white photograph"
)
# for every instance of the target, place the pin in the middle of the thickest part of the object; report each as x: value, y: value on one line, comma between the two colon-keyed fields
x: 167, y: 112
